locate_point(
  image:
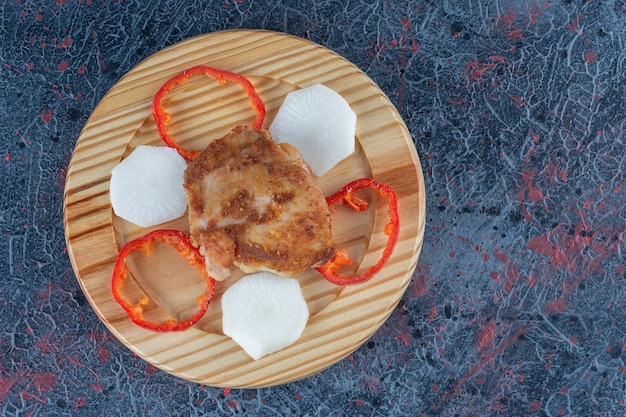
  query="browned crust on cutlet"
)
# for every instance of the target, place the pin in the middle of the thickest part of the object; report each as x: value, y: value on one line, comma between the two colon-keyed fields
x: 260, y: 200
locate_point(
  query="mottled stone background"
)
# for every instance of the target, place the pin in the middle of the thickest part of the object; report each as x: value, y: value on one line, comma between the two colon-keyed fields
x: 517, y: 306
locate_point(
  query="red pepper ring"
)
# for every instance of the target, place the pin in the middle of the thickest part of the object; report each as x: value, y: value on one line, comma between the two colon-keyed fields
x: 162, y: 117
x: 180, y: 242
x: 392, y: 229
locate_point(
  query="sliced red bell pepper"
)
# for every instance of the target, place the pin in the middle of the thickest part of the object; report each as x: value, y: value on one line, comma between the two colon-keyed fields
x: 340, y: 258
x: 181, y: 243
x: 162, y: 117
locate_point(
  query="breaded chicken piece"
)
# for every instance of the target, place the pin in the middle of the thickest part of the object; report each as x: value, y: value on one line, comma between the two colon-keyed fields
x: 253, y: 204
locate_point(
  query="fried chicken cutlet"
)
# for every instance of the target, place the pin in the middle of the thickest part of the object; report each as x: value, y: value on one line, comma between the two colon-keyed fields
x: 254, y: 205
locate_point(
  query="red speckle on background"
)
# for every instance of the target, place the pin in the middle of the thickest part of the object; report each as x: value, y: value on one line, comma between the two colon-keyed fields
x: 457, y: 101
x: 96, y: 384
x: 511, y: 277
x: 65, y: 43
x: 414, y: 46
x: 406, y: 24
x: 602, y: 252
x: 534, y: 136
x: 103, y: 354
x: 63, y: 65
x: 501, y: 256
x: 542, y: 246
x: 5, y: 385
x: 60, y: 2
x: 101, y: 64
x: 552, y: 173
x: 519, y: 101
x: 81, y: 69
x: 529, y: 154
x: 590, y: 57
x: 486, y: 335
x: 536, y: 13
x: 515, y: 34
x: 477, y: 70
x: 82, y: 401
x: 432, y: 314
x: 419, y: 283
x: 226, y: 392
x: 44, y: 381
x: 497, y: 406
x: 533, y: 192
x: 534, y: 406
x: 44, y: 346
x: 232, y: 404
x: 30, y: 66
x: 532, y: 280
x: 403, y: 338
x: 573, y: 27
x: 509, y: 18
x: 487, y: 357
x: 11, y: 67
x: 556, y: 306
x: 150, y: 369
x: 7, y: 157
x: 563, y: 247
x: 46, y: 115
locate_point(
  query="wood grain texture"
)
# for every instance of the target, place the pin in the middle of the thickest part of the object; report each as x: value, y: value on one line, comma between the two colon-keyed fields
x: 341, y: 318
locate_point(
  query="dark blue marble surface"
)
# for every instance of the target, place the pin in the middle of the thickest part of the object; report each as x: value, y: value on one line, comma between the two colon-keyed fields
x: 517, y: 306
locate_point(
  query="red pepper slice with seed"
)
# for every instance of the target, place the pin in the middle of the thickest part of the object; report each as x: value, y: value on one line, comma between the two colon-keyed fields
x: 181, y: 243
x: 340, y: 258
x: 162, y: 117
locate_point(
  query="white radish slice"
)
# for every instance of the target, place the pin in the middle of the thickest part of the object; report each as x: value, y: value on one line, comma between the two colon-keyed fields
x: 264, y: 312
x: 320, y: 123
x: 147, y: 186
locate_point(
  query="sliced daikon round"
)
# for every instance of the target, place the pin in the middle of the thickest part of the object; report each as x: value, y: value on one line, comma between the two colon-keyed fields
x: 264, y: 313
x: 320, y: 123
x: 147, y: 186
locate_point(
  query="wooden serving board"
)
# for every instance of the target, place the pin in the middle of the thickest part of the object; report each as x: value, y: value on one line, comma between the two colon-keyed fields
x: 342, y: 318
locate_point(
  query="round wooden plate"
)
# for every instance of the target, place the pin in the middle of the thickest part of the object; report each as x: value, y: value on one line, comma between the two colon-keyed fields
x: 342, y: 318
